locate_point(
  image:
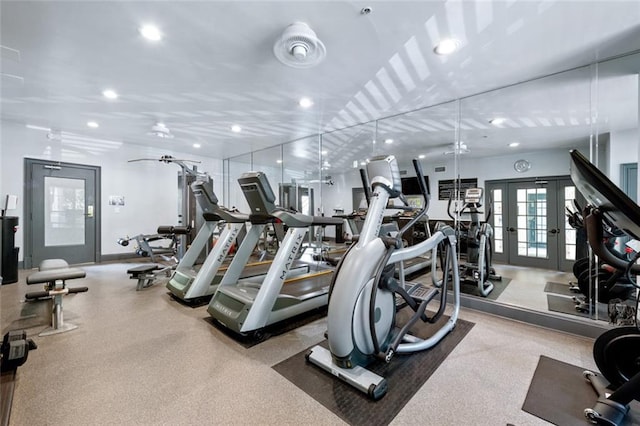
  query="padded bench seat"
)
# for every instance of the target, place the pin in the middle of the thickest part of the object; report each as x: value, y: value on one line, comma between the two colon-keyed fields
x: 53, y: 273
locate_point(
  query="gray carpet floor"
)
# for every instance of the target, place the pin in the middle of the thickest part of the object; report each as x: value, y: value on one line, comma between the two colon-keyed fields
x: 142, y: 358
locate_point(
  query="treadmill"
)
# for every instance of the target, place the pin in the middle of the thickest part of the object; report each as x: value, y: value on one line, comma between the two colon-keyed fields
x: 248, y: 305
x: 188, y: 285
x: 185, y: 283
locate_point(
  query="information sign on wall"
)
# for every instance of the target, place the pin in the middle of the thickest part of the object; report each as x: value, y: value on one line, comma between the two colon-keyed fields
x: 446, y: 188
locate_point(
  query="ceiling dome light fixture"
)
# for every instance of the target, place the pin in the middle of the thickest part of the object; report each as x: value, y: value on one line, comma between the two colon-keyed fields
x: 514, y: 144
x: 497, y: 121
x: 421, y: 156
x: 93, y: 124
x: 388, y: 141
x: 299, y: 47
x: 236, y: 129
x: 110, y: 94
x: 196, y: 145
x: 447, y: 46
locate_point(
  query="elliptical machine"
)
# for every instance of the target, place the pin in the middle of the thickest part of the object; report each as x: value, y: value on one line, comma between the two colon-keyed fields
x: 479, y: 241
x: 361, y: 320
x: 616, y: 351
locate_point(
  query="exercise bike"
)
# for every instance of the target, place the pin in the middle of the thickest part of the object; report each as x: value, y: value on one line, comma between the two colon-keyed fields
x: 361, y: 321
x: 478, y: 236
x: 616, y: 351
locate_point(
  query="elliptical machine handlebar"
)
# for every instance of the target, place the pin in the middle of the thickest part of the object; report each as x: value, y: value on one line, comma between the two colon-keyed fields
x: 425, y: 193
x: 365, y: 185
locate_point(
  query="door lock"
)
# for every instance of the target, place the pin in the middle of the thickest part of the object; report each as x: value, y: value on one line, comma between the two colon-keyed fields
x: 511, y: 229
x: 554, y: 231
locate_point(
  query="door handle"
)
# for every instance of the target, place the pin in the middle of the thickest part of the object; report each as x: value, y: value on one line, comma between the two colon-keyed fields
x: 511, y: 229
x: 554, y: 231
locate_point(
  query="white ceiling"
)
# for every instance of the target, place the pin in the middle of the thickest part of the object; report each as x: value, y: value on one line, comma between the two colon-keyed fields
x: 215, y: 67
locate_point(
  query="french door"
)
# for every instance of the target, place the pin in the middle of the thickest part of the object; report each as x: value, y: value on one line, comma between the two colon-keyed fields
x: 62, y: 212
x: 530, y: 224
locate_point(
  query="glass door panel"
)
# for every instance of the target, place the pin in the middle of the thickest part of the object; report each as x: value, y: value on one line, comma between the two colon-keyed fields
x: 64, y: 211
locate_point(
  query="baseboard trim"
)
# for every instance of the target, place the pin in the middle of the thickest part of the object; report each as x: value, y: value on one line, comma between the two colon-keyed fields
x: 580, y: 327
x: 118, y: 256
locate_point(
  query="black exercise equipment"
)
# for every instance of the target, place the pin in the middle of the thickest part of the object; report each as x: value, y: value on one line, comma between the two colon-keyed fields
x: 8, y: 249
x: 54, y: 273
x: 478, y: 237
x: 15, y: 349
x: 617, y: 351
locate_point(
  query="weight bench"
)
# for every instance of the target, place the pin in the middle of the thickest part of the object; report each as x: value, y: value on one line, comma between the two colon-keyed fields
x: 54, y: 273
x: 146, y: 274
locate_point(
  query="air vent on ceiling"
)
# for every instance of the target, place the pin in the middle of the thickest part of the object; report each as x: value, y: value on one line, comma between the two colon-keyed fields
x: 299, y: 47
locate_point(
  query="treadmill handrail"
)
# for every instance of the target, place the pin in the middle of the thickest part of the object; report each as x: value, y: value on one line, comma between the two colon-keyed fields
x: 299, y: 220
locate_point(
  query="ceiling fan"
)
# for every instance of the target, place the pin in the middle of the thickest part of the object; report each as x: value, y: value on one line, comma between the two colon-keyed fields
x: 160, y: 130
x: 458, y: 147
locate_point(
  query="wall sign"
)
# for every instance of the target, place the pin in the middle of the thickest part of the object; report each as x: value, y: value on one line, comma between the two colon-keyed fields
x: 446, y: 188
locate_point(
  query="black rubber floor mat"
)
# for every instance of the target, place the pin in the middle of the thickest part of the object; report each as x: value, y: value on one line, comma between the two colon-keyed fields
x: 559, y: 394
x: 405, y: 374
x: 271, y: 330
x: 498, y: 288
x: 567, y: 306
x: 558, y: 288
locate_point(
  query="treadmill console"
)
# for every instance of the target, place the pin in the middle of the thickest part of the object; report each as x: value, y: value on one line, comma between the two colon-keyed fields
x: 258, y: 193
x: 384, y: 169
x: 473, y: 196
x: 620, y: 210
x: 206, y: 198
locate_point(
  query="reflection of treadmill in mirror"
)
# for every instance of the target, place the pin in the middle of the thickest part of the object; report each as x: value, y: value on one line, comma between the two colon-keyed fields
x: 617, y: 350
x: 187, y: 284
x: 250, y: 304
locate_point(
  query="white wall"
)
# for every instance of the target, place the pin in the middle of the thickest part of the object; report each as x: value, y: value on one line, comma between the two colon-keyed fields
x: 623, y: 148
x: 149, y: 188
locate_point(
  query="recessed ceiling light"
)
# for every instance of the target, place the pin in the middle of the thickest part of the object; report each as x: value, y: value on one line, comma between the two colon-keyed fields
x: 514, y: 144
x: 325, y: 152
x: 447, y: 46
x: 150, y: 32
x: 363, y: 163
x: 497, y: 121
x: 196, y: 145
x: 236, y: 129
x: 388, y: 141
x: 305, y: 102
x: 421, y: 156
x: 279, y: 161
x: 110, y: 94
x: 93, y: 124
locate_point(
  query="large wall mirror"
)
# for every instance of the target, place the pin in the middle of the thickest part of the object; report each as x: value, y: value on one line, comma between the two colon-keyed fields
x: 514, y: 144
x: 344, y: 153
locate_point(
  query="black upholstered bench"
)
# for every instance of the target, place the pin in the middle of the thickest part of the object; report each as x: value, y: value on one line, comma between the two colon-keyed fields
x: 54, y: 273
